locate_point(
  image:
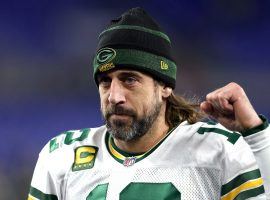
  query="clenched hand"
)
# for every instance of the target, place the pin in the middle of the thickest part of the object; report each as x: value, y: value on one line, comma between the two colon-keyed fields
x: 231, y: 107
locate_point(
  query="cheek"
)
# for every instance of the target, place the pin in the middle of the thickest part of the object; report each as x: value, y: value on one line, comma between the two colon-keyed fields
x: 145, y: 104
x: 103, y: 102
x: 103, y: 108
x: 152, y: 100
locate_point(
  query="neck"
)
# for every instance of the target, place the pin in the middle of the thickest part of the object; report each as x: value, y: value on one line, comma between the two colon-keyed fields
x: 158, y: 131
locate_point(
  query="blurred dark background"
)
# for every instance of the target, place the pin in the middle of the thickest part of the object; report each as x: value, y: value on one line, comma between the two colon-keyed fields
x: 46, y: 50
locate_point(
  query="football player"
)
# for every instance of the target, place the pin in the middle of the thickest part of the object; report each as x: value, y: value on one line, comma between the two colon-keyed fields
x: 155, y: 144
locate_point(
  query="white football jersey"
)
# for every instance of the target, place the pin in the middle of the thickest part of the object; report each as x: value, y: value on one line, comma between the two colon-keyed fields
x: 203, y: 161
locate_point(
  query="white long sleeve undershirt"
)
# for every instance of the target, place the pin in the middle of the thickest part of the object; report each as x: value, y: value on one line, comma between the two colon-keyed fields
x: 260, y: 145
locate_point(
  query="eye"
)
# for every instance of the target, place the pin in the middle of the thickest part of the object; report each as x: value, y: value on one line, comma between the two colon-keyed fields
x: 130, y: 80
x: 104, y: 81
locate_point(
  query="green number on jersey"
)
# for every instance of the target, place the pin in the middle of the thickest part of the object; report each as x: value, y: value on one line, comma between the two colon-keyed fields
x: 69, y: 139
x: 232, y: 136
x: 98, y: 193
x: 69, y: 136
x: 139, y: 191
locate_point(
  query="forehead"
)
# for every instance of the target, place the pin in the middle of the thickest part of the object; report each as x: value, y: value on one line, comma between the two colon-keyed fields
x: 123, y: 72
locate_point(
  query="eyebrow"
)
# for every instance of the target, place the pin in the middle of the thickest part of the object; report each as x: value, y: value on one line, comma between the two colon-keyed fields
x: 120, y: 75
x: 135, y: 74
x: 101, y: 76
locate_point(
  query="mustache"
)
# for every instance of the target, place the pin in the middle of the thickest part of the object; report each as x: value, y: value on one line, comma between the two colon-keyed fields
x: 119, y: 110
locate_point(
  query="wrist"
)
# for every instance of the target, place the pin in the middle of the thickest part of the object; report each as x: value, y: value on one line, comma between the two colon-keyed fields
x: 258, y: 126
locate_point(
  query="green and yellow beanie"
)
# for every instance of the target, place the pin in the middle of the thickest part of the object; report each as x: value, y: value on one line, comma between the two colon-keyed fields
x: 135, y: 41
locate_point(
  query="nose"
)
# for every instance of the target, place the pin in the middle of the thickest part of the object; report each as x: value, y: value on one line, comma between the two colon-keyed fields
x: 116, y: 95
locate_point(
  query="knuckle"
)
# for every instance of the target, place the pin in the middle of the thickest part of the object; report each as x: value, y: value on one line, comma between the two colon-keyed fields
x: 234, y: 85
x: 238, y: 88
x: 209, y: 96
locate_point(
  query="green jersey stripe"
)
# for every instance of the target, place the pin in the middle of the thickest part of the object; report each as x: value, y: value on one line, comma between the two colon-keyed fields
x: 237, y: 181
x: 250, y: 193
x: 40, y: 195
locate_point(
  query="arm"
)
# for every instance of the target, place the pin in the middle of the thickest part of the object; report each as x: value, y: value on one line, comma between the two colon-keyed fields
x: 43, y: 184
x: 258, y: 139
x: 231, y: 107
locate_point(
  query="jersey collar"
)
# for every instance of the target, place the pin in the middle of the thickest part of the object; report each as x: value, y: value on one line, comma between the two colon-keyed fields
x: 128, y: 159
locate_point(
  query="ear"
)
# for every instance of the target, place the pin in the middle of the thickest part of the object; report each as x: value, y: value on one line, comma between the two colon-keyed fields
x: 166, y: 91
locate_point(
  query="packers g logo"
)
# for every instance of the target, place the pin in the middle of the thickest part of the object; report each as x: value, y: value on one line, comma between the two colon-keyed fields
x: 85, y: 157
x: 105, y: 55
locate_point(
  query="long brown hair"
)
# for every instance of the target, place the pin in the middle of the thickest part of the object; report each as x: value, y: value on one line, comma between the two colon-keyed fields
x: 179, y: 109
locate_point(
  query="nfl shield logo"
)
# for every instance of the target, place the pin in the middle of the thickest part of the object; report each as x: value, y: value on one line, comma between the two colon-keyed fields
x: 129, y: 161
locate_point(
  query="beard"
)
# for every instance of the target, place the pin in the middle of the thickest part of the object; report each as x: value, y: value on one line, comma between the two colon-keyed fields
x: 134, y: 127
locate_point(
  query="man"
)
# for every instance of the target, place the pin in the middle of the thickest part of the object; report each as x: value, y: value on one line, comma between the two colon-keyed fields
x: 154, y: 146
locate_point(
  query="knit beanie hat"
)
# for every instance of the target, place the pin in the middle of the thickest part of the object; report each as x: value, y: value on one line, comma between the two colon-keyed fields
x: 135, y: 41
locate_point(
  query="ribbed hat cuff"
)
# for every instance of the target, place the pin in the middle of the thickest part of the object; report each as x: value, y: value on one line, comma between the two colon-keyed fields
x: 159, y: 67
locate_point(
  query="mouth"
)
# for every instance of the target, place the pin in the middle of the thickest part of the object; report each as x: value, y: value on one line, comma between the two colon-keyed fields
x: 120, y: 114
x: 120, y: 117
